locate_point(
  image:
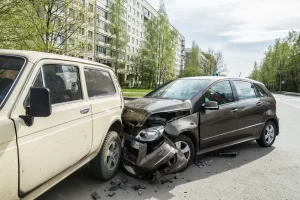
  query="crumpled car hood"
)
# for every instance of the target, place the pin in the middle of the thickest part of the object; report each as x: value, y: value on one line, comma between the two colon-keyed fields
x: 140, y: 109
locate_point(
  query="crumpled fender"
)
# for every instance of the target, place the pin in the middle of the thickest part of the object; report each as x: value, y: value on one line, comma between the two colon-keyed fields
x: 148, y: 164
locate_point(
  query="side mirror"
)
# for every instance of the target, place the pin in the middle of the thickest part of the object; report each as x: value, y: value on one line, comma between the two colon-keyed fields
x: 211, y: 105
x: 40, y: 105
x: 40, y: 102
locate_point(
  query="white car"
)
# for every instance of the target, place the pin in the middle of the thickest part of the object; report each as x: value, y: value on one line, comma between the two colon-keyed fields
x: 57, y: 113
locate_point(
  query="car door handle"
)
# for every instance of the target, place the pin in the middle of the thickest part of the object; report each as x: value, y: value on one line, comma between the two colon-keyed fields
x: 259, y: 103
x: 84, y: 111
x: 234, y: 110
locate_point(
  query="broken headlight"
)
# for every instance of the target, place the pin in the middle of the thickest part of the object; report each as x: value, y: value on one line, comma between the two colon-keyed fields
x: 150, y: 134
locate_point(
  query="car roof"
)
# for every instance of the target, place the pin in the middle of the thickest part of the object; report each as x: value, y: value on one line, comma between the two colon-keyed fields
x: 215, y: 78
x: 34, y: 56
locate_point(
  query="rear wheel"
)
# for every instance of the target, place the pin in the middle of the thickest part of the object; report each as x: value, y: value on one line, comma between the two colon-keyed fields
x: 106, y: 163
x: 268, y: 135
x: 186, y: 146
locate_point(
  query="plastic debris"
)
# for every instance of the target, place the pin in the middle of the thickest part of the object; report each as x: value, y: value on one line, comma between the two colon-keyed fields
x: 111, y: 194
x: 95, y: 196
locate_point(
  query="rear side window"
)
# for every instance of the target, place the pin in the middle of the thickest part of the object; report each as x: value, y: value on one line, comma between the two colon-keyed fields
x: 98, y: 83
x: 220, y: 92
x: 245, y: 90
x: 260, y: 91
x: 63, y: 81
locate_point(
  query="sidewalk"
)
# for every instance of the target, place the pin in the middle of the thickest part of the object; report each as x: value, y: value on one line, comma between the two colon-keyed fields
x: 288, y: 93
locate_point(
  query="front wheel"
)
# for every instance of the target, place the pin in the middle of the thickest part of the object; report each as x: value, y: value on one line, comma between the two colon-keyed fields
x: 105, y: 165
x: 268, y: 135
x: 186, y: 146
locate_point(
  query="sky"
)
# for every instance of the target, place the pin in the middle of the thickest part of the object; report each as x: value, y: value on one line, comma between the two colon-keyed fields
x: 242, y: 29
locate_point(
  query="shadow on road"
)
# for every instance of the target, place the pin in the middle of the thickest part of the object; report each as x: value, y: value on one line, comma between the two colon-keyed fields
x: 81, y: 184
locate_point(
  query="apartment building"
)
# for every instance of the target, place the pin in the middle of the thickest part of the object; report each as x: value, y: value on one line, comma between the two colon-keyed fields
x: 137, y: 12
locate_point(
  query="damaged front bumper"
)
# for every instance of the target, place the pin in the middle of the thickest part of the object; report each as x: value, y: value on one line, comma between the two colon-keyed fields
x: 144, y: 159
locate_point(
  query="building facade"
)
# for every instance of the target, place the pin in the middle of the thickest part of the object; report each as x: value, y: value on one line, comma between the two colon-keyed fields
x: 137, y: 12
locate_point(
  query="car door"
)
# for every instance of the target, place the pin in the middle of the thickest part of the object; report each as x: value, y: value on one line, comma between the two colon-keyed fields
x: 54, y: 143
x: 218, y: 126
x: 250, y: 109
x: 105, y: 99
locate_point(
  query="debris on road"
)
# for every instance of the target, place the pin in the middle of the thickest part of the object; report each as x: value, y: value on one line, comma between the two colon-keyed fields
x: 111, y: 194
x: 138, y: 187
x: 224, y: 154
x: 113, y: 188
x: 95, y: 196
x: 140, y: 192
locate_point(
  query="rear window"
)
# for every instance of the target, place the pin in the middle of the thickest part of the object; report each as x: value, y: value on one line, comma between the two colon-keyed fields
x: 245, y: 90
x: 10, y: 68
x: 260, y: 91
x: 98, y: 83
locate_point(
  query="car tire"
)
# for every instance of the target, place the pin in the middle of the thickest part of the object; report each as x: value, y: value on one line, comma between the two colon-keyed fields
x: 105, y: 165
x: 181, y: 143
x: 268, y: 135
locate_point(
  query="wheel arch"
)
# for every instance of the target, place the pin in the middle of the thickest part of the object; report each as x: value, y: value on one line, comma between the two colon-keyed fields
x: 117, y: 127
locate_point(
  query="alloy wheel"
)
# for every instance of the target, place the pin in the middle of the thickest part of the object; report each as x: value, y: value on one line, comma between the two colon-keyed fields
x: 269, y: 133
x: 113, y: 155
x: 184, y: 148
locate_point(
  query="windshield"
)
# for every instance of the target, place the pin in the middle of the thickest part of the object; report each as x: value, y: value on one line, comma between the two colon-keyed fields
x: 10, y: 68
x: 180, y: 89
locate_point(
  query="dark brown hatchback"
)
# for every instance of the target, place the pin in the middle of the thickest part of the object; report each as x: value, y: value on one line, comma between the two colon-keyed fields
x: 167, y: 128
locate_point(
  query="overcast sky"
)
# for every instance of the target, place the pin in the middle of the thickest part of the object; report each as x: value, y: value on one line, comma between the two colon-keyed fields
x: 241, y: 29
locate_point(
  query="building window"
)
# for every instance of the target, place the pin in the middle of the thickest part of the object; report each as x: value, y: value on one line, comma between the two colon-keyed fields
x: 137, y: 23
x: 141, y: 34
x: 132, y: 49
x: 101, y: 38
x: 137, y: 33
x: 133, y: 30
x: 129, y: 28
x: 129, y: 8
x: 71, y: 27
x: 133, y: 20
x: 82, y: 31
x: 137, y: 41
x: 138, y: 4
x: 138, y: 14
x: 101, y: 49
x: 101, y: 12
x: 71, y: 12
x: 128, y: 39
x: 91, y: 7
x: 128, y: 48
x: 89, y: 58
x: 90, y: 34
x: 71, y: 42
x: 90, y: 47
x: 134, y: 11
x: 132, y: 40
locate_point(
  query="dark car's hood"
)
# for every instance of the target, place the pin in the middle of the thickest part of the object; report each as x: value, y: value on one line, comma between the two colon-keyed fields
x: 140, y: 109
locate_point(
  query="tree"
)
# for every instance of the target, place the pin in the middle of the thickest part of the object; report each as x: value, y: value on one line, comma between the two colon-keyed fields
x: 48, y: 26
x: 155, y: 58
x: 118, y: 31
x: 216, y: 62
x: 281, y: 60
x: 193, y: 64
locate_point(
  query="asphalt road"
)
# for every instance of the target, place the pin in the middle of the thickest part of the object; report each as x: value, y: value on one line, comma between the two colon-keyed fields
x: 257, y: 173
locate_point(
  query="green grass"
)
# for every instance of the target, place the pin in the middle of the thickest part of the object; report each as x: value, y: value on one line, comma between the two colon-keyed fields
x: 136, y: 90
x: 134, y: 94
